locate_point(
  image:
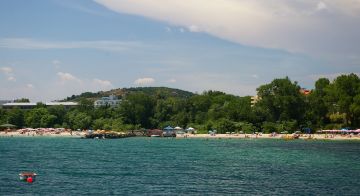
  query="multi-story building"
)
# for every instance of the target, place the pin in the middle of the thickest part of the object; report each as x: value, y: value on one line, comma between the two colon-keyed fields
x: 254, y: 100
x: 111, y: 101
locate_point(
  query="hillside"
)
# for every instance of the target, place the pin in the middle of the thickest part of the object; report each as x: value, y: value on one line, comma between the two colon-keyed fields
x: 122, y: 92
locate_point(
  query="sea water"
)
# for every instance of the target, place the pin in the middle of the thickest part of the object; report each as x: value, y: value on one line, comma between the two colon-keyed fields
x: 168, y: 166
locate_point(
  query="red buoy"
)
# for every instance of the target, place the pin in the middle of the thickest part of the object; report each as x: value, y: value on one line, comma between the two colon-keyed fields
x: 29, y: 180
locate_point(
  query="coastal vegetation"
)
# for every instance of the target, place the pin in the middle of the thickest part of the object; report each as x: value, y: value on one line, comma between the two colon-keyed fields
x: 281, y: 106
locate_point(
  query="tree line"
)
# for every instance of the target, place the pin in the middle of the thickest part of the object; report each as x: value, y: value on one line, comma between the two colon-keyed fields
x: 281, y: 107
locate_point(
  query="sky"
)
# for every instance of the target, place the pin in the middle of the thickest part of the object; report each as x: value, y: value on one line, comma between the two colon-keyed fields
x: 52, y: 49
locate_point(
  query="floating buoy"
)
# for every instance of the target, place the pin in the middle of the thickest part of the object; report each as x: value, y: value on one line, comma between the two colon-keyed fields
x: 29, y: 180
x: 28, y: 176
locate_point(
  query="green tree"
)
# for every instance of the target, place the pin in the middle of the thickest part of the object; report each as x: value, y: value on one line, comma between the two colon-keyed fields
x: 79, y: 120
x: 59, y: 112
x: 316, y: 106
x: 225, y: 125
x: 245, y: 127
x: 355, y: 110
x: 341, y: 94
x: 103, y: 123
x: 34, y: 116
x: 282, y: 100
x: 138, y: 108
x: 22, y: 100
x: 86, y: 105
x: 269, y: 127
x: 3, y: 116
x: 48, y: 120
x: 16, y: 117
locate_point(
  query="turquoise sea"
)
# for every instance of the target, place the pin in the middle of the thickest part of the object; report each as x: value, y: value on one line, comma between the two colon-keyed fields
x: 162, y: 166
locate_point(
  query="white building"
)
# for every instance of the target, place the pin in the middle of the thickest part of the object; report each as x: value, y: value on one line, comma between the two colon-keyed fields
x: 254, y: 100
x: 111, y: 101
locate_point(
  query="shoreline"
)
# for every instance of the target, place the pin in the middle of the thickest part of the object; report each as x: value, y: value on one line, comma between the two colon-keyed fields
x: 34, y: 134
x: 268, y: 136
x: 76, y: 134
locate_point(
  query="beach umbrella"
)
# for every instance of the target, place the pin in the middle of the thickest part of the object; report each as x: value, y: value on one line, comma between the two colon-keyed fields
x: 190, y: 129
x: 8, y: 125
x: 178, y: 128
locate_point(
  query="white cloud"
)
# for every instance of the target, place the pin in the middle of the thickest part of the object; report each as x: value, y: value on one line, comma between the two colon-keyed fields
x: 102, y: 83
x: 31, y: 86
x: 255, y: 76
x: 172, y: 80
x: 321, y: 6
x: 6, y: 70
x: 168, y: 29
x: 11, y: 78
x: 55, y: 62
x: 67, y: 77
x: 32, y: 44
x: 79, y: 7
x: 144, y: 81
x: 283, y: 24
x: 194, y: 28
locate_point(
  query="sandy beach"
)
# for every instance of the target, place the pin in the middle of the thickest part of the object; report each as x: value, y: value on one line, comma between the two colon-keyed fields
x: 34, y: 134
x: 268, y: 136
x: 79, y: 134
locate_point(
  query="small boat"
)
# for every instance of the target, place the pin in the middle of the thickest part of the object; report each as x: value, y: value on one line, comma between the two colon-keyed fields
x: 155, y: 136
x: 296, y: 136
x: 25, y: 175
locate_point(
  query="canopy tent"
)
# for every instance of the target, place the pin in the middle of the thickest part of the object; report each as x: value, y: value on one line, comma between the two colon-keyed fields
x: 168, y: 128
x: 307, y: 130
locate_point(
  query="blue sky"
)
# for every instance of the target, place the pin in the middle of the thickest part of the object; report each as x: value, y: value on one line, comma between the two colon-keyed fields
x: 52, y: 49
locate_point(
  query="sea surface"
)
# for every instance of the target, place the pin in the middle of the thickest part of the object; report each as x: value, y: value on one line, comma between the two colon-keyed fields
x: 167, y: 166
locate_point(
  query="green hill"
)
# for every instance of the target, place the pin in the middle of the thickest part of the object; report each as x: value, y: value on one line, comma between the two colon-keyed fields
x: 163, y: 92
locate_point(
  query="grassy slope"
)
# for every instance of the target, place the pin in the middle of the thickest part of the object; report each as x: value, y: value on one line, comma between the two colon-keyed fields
x: 121, y: 92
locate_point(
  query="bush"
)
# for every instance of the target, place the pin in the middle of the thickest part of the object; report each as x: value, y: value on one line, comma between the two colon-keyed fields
x: 269, y: 127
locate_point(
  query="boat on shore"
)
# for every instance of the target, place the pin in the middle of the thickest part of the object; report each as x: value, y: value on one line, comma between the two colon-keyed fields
x: 290, y: 137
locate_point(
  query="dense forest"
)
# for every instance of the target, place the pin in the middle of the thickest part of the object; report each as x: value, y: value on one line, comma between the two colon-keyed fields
x: 281, y: 107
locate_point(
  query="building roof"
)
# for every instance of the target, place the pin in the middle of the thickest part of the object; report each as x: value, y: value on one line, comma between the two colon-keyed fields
x: 61, y: 103
x: 19, y: 104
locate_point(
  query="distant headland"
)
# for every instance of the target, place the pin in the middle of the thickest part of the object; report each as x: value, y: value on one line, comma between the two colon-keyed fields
x: 279, y: 106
